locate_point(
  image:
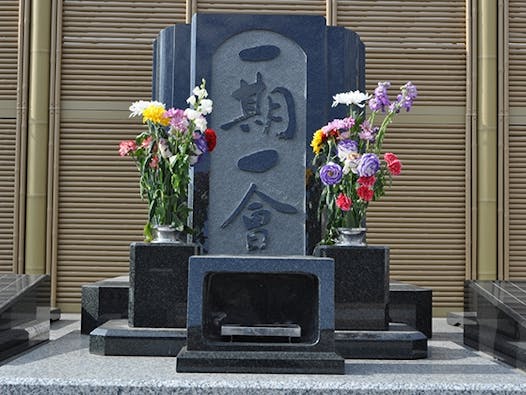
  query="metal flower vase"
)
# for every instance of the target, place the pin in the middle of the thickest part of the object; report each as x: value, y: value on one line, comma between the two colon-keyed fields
x: 352, y: 237
x: 167, y: 234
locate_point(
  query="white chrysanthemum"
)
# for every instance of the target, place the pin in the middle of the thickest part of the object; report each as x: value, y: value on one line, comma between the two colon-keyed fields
x: 353, y: 97
x: 206, y: 106
x: 138, y: 107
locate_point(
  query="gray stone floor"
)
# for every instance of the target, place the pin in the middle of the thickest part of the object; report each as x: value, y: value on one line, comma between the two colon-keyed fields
x: 64, y: 366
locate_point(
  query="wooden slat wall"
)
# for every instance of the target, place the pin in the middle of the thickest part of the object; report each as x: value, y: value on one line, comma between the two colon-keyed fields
x: 8, y: 91
x: 423, y: 217
x: 517, y: 140
x: 106, y: 64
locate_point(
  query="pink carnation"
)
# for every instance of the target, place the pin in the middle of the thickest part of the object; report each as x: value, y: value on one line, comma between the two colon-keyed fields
x: 146, y: 142
x: 127, y: 146
x: 154, y: 162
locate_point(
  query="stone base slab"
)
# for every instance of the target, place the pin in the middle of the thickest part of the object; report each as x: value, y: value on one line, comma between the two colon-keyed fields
x: 399, y: 342
x: 115, y: 337
x: 290, y: 362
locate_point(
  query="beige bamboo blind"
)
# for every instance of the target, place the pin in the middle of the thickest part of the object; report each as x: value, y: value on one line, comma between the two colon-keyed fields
x: 304, y: 7
x: 517, y: 140
x: 423, y: 217
x: 8, y: 151
x: 106, y: 64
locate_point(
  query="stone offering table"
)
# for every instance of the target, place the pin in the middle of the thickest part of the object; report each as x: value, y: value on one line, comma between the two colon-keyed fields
x: 260, y: 315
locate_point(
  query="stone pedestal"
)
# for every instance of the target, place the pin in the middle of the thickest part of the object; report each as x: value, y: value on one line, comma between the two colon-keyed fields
x: 361, y: 286
x: 411, y: 305
x: 156, y: 323
x: 158, y: 284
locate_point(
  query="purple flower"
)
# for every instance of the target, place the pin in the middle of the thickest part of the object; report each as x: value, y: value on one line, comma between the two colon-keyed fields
x: 380, y: 99
x: 331, y: 173
x: 338, y: 124
x: 345, y: 147
x: 200, y: 143
x: 368, y: 166
x: 367, y: 133
x: 407, y: 95
x: 177, y: 119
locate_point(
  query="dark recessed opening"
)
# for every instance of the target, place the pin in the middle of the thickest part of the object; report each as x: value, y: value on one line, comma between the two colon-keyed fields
x: 261, y: 307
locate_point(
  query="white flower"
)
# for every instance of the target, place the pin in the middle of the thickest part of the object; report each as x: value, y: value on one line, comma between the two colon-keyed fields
x: 200, y: 123
x: 353, y: 97
x: 164, y: 149
x: 191, y: 100
x: 350, y: 165
x: 138, y: 107
x: 192, y: 114
x: 201, y: 93
x: 205, y: 106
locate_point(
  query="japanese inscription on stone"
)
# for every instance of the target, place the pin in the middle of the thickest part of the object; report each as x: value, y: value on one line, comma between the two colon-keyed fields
x: 257, y: 177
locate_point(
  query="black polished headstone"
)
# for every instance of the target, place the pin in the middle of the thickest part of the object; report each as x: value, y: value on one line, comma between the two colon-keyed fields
x: 24, y: 312
x: 158, y: 282
x: 361, y: 286
x: 260, y: 292
x: 103, y: 301
x: 498, y: 323
x: 272, y: 78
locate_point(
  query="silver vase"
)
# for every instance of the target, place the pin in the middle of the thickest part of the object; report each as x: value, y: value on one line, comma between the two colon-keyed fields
x: 351, y: 237
x: 167, y: 234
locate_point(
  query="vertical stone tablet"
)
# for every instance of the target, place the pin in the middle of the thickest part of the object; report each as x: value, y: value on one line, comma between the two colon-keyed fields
x: 272, y: 78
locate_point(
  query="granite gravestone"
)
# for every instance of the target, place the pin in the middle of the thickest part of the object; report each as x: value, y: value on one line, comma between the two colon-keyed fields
x: 272, y: 79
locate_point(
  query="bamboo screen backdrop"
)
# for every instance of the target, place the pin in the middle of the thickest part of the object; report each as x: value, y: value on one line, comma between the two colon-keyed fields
x: 8, y: 148
x: 105, y: 63
x: 516, y: 199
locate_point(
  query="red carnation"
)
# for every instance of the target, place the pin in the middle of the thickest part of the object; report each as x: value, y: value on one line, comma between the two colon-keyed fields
x: 365, y: 193
x: 343, y: 202
x: 211, y: 139
x: 390, y: 157
x: 367, y: 181
x: 395, y: 167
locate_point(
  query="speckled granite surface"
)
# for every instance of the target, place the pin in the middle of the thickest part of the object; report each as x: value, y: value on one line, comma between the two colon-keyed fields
x: 64, y: 366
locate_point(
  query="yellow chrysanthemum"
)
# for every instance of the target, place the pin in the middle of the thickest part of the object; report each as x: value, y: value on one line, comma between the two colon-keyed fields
x: 155, y: 113
x: 317, y: 141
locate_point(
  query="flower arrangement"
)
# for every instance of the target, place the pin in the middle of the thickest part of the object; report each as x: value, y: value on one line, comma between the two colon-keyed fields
x: 348, y: 157
x: 173, y: 141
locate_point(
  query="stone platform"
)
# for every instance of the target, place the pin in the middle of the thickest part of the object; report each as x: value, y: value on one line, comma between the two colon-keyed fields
x: 65, y: 366
x: 496, y: 319
x: 24, y: 312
